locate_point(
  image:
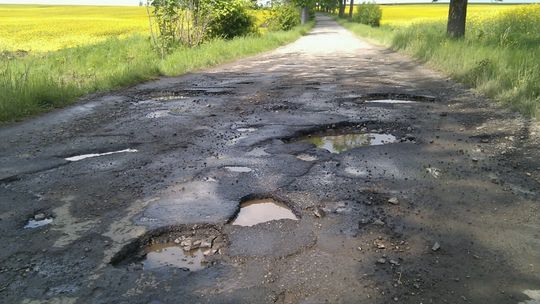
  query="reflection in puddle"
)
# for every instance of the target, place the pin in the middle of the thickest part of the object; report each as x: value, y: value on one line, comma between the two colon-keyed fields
x: 534, y: 296
x: 84, y: 156
x: 171, y: 255
x: 32, y: 223
x: 246, y: 129
x: 306, y: 157
x: 239, y: 169
x: 390, y: 101
x: 262, y: 210
x: 345, y: 142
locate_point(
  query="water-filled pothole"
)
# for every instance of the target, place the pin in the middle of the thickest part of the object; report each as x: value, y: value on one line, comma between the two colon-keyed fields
x: 390, y: 101
x: 344, y: 136
x: 190, y: 248
x: 306, y: 157
x: 85, y: 156
x: 36, y: 223
x: 246, y: 130
x: 256, y: 211
x: 344, y: 142
x: 238, y: 169
x: 172, y: 255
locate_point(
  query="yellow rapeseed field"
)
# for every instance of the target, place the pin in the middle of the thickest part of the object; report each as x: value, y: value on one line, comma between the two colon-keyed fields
x: 39, y: 28
x: 47, y: 28
x: 407, y: 13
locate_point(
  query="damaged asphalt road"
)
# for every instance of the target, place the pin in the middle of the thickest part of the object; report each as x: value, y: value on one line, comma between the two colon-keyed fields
x: 441, y: 209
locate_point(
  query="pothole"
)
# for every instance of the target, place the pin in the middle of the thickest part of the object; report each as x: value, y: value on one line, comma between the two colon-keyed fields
x: 306, y: 157
x: 396, y: 98
x: 344, y: 136
x: 390, y: 101
x: 165, y: 96
x: 344, y: 142
x: 172, y: 255
x: 85, y: 156
x: 190, y: 249
x: 246, y: 130
x: 256, y: 211
x: 38, y: 220
x: 238, y: 169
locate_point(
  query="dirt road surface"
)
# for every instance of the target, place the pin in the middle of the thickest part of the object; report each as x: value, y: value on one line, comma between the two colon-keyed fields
x: 403, y: 187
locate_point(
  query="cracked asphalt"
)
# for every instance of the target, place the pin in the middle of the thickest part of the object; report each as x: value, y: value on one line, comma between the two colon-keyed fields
x: 466, y: 177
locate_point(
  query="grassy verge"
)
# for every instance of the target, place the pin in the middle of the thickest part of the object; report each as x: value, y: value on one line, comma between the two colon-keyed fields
x: 498, y: 57
x: 31, y: 84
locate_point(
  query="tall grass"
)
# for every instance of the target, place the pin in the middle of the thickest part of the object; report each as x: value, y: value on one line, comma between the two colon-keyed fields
x: 36, y: 83
x: 499, y: 56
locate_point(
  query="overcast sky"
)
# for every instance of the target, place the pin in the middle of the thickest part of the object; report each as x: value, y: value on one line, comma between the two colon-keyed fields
x: 136, y: 2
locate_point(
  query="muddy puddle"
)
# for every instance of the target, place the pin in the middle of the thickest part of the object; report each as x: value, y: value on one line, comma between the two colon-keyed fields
x: 390, y: 101
x: 92, y: 155
x: 238, y: 169
x: 172, y: 255
x: 258, y: 211
x: 246, y: 130
x: 306, y: 157
x: 344, y: 142
x: 190, y: 248
x: 34, y: 223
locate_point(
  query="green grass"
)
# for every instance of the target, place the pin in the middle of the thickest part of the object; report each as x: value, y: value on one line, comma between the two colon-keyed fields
x: 498, y: 57
x: 35, y: 83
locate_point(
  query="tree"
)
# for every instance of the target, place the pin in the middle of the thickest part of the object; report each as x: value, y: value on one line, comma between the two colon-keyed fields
x: 351, y: 9
x: 457, y: 16
x: 328, y: 5
x: 341, y: 8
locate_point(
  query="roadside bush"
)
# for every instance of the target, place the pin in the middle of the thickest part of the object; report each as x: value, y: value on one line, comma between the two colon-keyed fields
x: 231, y: 18
x: 368, y: 13
x: 283, y: 17
x: 177, y: 22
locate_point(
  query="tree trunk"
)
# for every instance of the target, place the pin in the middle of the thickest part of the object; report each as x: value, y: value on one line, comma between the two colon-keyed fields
x: 304, y: 15
x: 341, y: 8
x: 457, y: 16
x: 351, y: 9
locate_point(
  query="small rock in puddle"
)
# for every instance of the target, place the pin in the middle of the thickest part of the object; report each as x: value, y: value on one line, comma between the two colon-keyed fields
x: 341, y: 143
x: 239, y: 169
x: 172, y: 255
x: 38, y: 222
x: 306, y: 157
x: 85, y: 156
x: 390, y: 101
x: 258, y: 211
